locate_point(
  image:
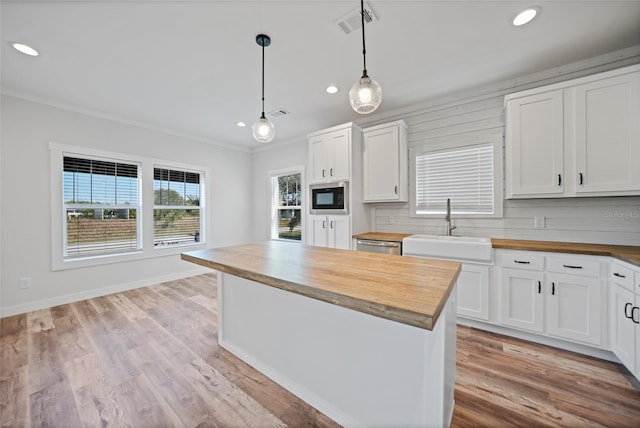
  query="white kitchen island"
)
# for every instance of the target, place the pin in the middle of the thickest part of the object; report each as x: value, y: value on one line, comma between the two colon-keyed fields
x: 367, y: 339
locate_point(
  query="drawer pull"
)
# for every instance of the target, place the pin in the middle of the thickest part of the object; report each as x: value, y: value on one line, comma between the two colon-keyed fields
x: 521, y: 262
x: 572, y: 267
x: 619, y: 275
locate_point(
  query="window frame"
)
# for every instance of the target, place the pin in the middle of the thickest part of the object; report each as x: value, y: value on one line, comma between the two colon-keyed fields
x: 273, y: 208
x: 98, y: 206
x: 496, y: 139
x: 145, y: 215
x: 201, y: 207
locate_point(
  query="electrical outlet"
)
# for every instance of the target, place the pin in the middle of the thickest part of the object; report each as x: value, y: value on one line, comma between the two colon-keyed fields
x: 392, y: 219
x: 25, y: 282
x: 539, y: 222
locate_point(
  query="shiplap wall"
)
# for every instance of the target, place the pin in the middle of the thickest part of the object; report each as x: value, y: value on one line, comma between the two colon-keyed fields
x: 610, y: 220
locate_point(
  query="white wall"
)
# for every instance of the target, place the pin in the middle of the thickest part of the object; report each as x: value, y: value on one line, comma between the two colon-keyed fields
x: 27, y: 129
x: 241, y: 196
x: 610, y: 220
x: 606, y: 220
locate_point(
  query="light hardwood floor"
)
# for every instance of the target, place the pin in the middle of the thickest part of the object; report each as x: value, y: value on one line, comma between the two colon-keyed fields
x: 149, y: 358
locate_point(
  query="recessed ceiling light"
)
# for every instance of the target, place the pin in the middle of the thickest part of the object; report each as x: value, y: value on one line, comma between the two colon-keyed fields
x: 25, y: 49
x: 526, y: 16
x: 332, y: 89
x: 241, y: 124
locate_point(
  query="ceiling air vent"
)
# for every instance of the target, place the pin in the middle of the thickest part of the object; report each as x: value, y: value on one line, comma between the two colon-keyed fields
x: 351, y: 21
x: 278, y: 112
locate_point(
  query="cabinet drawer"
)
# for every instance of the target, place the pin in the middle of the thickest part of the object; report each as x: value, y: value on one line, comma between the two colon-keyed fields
x: 522, y: 260
x: 574, y: 266
x: 621, y: 275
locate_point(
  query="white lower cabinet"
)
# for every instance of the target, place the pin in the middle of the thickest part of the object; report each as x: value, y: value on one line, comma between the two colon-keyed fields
x: 332, y: 231
x: 521, y: 298
x: 473, y: 291
x: 623, y: 329
x: 625, y: 315
x: 574, y: 309
x: 559, y: 296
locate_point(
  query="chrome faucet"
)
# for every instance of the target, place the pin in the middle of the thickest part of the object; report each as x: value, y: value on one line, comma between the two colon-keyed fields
x: 447, y: 218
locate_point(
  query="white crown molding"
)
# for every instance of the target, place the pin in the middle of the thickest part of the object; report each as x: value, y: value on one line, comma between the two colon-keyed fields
x: 604, y: 62
x: 27, y: 96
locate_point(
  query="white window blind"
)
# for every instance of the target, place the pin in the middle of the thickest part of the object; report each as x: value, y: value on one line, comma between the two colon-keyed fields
x: 101, y: 204
x: 177, y: 207
x: 465, y: 175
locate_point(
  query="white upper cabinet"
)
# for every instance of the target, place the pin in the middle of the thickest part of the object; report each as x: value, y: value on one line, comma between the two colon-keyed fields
x: 330, y: 154
x: 535, y: 148
x: 385, y: 163
x: 575, y: 138
x: 607, y: 134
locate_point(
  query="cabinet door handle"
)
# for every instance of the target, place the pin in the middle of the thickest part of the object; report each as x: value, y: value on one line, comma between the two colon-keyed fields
x: 553, y: 288
x: 521, y: 262
x: 625, y: 310
x: 331, y: 224
x: 396, y: 190
x: 572, y: 267
x: 633, y: 311
x: 324, y: 224
x: 539, y: 287
x: 322, y: 172
x: 581, y: 178
x: 331, y: 172
x: 619, y: 275
x: 559, y: 179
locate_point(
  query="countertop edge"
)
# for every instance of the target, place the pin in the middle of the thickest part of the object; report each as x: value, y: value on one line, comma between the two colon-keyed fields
x: 625, y: 253
x: 381, y: 236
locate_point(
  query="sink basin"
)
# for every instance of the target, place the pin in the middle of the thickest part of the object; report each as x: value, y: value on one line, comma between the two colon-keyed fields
x: 463, y: 248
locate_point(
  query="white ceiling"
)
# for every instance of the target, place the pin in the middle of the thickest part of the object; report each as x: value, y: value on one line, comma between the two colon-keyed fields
x: 193, y: 67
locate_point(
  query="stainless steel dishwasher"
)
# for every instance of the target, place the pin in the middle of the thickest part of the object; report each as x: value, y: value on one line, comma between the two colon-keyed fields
x: 384, y: 247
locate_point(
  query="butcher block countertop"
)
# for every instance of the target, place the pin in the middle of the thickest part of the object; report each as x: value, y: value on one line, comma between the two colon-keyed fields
x: 382, y: 236
x: 625, y: 253
x: 408, y: 290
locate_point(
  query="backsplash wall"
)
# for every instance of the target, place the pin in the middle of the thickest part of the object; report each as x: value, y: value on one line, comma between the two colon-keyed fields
x: 606, y: 220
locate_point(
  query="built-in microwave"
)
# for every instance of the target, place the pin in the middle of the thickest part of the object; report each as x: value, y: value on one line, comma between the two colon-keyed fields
x: 330, y: 198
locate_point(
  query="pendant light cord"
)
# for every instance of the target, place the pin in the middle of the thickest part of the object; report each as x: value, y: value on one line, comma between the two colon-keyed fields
x: 262, y: 79
x: 364, y: 50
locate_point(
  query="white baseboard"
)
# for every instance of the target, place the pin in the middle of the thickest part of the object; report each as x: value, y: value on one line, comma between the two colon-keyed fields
x: 90, y: 294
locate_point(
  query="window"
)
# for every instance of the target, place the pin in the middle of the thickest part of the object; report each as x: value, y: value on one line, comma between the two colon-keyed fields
x: 176, y: 210
x: 110, y: 207
x: 469, y: 175
x: 101, y: 204
x: 286, y: 203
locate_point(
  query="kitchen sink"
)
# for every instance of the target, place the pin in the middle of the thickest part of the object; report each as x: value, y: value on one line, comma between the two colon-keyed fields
x: 463, y: 248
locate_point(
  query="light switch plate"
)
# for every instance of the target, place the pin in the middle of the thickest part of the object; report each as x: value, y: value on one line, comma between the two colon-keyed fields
x: 539, y: 222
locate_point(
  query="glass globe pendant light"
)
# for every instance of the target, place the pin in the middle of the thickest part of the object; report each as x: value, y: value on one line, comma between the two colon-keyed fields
x: 263, y: 130
x: 366, y: 94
